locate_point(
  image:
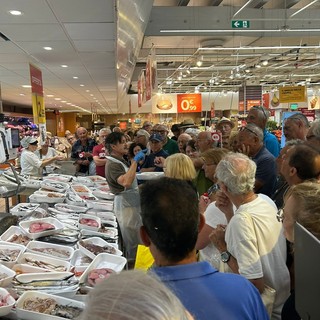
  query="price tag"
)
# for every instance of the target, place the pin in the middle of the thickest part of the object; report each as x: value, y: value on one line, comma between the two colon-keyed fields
x: 189, y: 103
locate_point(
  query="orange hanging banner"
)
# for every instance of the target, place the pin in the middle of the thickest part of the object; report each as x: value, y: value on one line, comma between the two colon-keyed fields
x: 189, y: 102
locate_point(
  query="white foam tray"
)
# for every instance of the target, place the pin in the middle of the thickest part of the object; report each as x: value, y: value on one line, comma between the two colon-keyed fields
x: 11, y: 232
x: 11, y: 246
x: 31, y: 315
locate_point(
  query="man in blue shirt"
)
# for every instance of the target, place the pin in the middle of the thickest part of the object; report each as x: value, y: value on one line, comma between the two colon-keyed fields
x: 171, y: 223
x: 258, y: 115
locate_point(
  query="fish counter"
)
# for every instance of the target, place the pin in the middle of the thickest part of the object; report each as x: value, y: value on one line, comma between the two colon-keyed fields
x: 57, y: 247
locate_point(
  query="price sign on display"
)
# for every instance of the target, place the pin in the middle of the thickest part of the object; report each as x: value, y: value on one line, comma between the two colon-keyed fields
x: 189, y: 103
x: 216, y: 136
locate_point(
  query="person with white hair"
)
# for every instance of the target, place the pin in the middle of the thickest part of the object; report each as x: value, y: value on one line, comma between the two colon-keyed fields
x: 30, y: 163
x: 142, y: 136
x: 253, y: 243
x: 99, y: 152
x: 133, y: 295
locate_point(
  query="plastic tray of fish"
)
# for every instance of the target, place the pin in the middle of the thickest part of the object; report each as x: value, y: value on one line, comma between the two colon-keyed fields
x: 101, y: 205
x: 50, y: 250
x: 104, y: 260
x: 23, y: 209
x: 58, y: 177
x: 89, y: 222
x: 101, y: 184
x: 55, y: 185
x: 61, y: 283
x: 50, y: 225
x: 95, y: 245
x: 87, y: 196
x: 15, y: 235
x: 103, y: 215
x: 83, y: 181
x: 80, y: 188
x: 32, y: 183
x: 47, y: 197
x: 10, y: 253
x: 7, y: 302
x: 67, y: 208
x: 97, y: 179
x: 111, y: 233
x: 6, y: 275
x: 103, y: 195
x: 31, y: 301
x: 75, y: 200
x: 45, y: 263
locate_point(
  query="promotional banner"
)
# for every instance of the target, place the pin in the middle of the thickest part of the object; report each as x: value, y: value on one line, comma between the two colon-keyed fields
x: 189, y: 102
x: 314, y: 103
x: 252, y: 103
x: 148, y: 79
x: 141, y: 89
x: 266, y: 100
x: 164, y: 103
x: 292, y: 94
x: 39, y: 112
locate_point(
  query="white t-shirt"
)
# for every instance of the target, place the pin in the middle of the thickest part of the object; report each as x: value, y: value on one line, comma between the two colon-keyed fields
x: 30, y: 163
x: 50, y: 154
x: 261, y: 250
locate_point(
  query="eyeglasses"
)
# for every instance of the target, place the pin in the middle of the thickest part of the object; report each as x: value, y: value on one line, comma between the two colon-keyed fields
x: 261, y: 109
x: 246, y: 128
x: 280, y: 215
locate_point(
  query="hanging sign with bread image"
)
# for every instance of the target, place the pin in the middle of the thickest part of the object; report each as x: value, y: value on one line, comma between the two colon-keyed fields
x: 314, y: 103
x: 275, y: 101
x: 164, y: 103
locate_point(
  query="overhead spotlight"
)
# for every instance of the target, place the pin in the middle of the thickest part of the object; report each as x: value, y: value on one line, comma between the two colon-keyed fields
x: 199, y: 61
x: 184, y: 75
x: 196, y: 90
x: 169, y: 82
x: 247, y: 70
x: 258, y: 66
x: 188, y: 71
x: 211, y: 81
x: 264, y: 62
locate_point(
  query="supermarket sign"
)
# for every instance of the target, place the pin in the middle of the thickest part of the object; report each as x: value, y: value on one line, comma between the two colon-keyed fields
x: 189, y: 102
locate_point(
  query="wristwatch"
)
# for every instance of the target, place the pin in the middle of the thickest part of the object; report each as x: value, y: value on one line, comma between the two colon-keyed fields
x: 225, y: 256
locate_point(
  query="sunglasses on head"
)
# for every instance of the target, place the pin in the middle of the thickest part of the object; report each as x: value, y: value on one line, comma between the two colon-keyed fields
x: 34, y: 143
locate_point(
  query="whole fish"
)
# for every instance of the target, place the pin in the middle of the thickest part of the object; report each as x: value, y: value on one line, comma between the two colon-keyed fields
x: 44, y: 284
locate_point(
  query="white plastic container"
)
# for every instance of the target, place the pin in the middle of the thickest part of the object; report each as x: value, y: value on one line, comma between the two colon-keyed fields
x: 14, y: 230
x: 149, y: 175
x: 47, y: 197
x: 74, y: 200
x: 4, y: 246
x: 5, y: 281
x: 25, y: 225
x: 31, y: 315
x: 112, y: 233
x: 86, y: 227
x: 55, y: 185
x: 61, y: 265
x: 63, y: 207
x: 83, y: 181
x: 80, y: 188
x: 103, y: 195
x: 58, y: 177
x: 99, y: 242
x: 33, y: 245
x: 10, y: 302
x: 104, y: 260
x: 96, y: 179
x: 101, y: 205
x: 23, y: 209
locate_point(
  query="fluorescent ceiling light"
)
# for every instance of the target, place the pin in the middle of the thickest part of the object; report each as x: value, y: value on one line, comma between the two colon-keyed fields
x: 75, y: 77
x: 236, y: 30
x: 64, y: 66
x: 15, y: 12
x: 26, y: 86
x: 303, y: 8
x: 47, y: 48
x: 259, y: 48
x: 246, y: 4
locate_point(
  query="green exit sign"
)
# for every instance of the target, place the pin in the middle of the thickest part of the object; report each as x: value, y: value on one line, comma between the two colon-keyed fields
x: 240, y: 24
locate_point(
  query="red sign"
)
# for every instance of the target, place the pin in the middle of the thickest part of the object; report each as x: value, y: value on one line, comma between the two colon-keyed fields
x: 251, y: 103
x: 36, y: 80
x: 241, y: 105
x: 266, y: 100
x: 212, y: 113
x: 189, y: 102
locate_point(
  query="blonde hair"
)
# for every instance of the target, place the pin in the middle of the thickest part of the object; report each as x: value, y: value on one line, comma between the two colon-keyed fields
x: 179, y: 166
x: 214, y: 155
x: 307, y: 211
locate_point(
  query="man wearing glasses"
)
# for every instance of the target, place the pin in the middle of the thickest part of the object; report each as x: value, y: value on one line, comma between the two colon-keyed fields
x: 169, y: 145
x: 259, y: 116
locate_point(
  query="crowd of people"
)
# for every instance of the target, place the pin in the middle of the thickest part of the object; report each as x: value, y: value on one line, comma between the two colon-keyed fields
x: 219, y: 207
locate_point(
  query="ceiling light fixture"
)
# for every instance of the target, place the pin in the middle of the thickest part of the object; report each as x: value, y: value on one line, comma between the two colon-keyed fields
x: 246, y: 4
x: 237, y: 30
x: 303, y: 8
x: 199, y: 61
x: 81, y: 85
x: 75, y: 77
x: 64, y: 66
x: 26, y: 86
x: 15, y: 12
x: 47, y: 48
x: 259, y: 48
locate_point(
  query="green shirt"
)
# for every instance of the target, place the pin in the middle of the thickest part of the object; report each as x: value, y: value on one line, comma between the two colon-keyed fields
x: 171, y: 147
